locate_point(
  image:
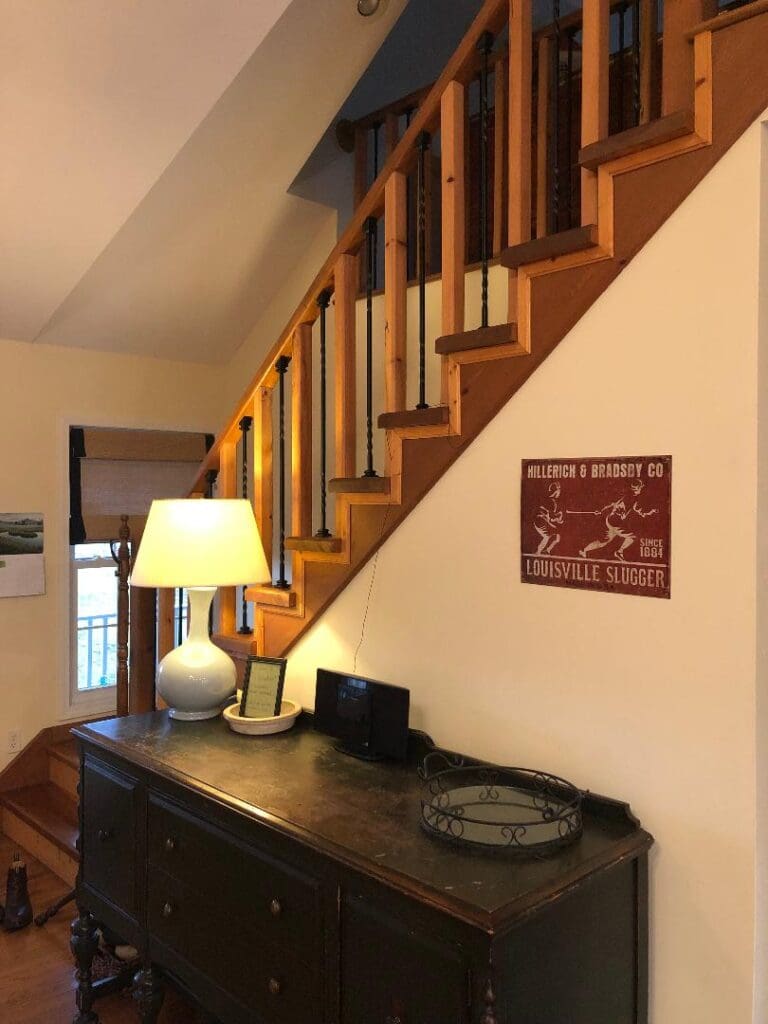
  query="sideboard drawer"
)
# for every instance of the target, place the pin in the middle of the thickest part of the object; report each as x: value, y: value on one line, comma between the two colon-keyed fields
x: 109, y: 836
x: 282, y: 903
x: 233, y: 951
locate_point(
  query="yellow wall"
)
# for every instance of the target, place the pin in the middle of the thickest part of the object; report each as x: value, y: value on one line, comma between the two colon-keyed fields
x: 42, y: 391
x: 647, y: 700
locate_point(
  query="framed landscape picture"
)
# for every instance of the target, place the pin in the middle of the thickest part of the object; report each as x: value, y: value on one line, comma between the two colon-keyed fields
x: 22, y: 572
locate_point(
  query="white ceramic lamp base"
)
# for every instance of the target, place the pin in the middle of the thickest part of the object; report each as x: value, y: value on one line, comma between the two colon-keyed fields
x: 197, y: 678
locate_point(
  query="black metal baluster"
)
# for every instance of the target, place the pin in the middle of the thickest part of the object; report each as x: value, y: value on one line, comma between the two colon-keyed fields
x: 180, y: 620
x: 281, y: 367
x: 245, y: 425
x: 620, y: 62
x: 210, y: 483
x: 421, y: 255
x: 323, y: 301
x: 485, y: 45
x: 636, y: 97
x: 376, y: 129
x: 555, y: 122
x: 370, y: 240
x: 569, y: 132
x: 412, y: 267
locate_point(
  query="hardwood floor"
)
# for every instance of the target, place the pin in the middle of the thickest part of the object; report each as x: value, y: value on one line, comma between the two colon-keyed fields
x: 36, y: 975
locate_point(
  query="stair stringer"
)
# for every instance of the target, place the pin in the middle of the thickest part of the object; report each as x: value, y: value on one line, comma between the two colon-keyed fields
x: 636, y: 195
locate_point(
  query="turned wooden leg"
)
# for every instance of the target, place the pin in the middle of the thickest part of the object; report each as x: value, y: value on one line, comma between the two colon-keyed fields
x: 84, y: 943
x: 148, y: 993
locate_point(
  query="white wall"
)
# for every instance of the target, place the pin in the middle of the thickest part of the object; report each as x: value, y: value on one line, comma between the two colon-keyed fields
x: 651, y: 701
x: 42, y: 391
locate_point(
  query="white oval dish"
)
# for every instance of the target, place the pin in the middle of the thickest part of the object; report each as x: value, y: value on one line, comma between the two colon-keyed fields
x: 289, y: 712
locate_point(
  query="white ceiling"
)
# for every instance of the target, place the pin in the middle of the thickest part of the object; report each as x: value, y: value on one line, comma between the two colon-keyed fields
x: 148, y: 151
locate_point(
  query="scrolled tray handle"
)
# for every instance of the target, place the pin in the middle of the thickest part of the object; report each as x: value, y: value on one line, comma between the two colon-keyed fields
x: 438, y: 761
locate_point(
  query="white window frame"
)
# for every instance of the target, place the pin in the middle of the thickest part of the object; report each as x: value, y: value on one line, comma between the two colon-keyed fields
x: 100, y: 699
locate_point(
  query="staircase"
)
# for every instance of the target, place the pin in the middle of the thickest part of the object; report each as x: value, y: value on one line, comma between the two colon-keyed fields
x: 38, y: 801
x: 712, y: 84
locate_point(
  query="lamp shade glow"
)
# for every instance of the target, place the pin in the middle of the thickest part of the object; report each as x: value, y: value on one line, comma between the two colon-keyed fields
x: 195, y: 542
x: 199, y: 545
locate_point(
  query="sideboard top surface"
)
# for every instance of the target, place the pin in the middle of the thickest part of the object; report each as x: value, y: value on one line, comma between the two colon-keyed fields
x: 365, y: 814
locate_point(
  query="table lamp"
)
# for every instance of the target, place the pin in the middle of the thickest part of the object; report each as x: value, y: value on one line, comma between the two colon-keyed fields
x: 199, y: 545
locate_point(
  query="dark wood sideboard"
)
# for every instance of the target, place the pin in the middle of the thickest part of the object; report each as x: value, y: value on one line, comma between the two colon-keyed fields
x: 277, y: 881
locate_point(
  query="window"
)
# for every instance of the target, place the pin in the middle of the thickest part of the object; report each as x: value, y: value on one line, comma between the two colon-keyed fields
x: 94, y: 641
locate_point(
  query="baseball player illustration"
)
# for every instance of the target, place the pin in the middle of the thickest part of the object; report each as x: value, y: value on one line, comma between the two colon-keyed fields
x: 618, y: 521
x: 547, y: 520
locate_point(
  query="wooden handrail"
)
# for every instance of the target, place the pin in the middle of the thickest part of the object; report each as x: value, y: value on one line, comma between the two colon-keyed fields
x: 490, y: 18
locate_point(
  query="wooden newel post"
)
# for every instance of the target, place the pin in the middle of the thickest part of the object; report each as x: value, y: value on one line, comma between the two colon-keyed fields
x: 301, y: 432
x: 395, y: 291
x: 453, y: 134
x: 345, y: 340
x: 123, y: 561
x: 594, y: 95
x: 520, y: 101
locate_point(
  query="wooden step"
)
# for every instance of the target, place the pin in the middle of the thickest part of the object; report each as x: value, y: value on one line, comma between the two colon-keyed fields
x: 66, y: 752
x: 276, y: 597
x: 322, y: 545
x: 483, y: 337
x: 235, y: 643
x: 43, y: 820
x: 633, y: 140
x: 359, y: 485
x: 563, y: 243
x: 64, y: 766
x: 434, y: 416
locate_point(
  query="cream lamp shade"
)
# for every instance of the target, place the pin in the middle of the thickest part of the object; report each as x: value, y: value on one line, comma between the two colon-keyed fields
x: 199, y: 545
x: 195, y: 542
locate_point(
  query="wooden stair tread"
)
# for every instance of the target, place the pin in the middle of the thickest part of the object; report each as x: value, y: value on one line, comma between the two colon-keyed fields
x: 483, y: 337
x: 563, y: 243
x: 278, y: 597
x: 434, y: 416
x: 49, y: 810
x: 67, y: 753
x: 235, y: 643
x: 359, y: 485
x: 326, y: 545
x: 633, y: 140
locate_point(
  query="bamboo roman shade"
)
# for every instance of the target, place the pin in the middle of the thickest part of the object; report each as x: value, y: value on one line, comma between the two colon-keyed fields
x: 119, y: 472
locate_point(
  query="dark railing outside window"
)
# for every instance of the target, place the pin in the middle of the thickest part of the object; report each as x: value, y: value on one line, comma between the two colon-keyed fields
x: 97, y: 647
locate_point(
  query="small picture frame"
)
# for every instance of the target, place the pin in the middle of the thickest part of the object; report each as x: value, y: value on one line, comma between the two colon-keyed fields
x: 262, y: 687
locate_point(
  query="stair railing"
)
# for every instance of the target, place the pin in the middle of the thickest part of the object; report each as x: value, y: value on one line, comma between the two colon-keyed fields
x: 443, y: 110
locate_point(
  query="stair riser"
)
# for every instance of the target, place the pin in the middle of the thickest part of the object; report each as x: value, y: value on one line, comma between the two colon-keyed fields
x: 63, y: 776
x: 29, y: 839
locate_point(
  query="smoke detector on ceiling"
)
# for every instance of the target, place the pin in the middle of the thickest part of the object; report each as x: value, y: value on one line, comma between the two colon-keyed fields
x: 368, y: 7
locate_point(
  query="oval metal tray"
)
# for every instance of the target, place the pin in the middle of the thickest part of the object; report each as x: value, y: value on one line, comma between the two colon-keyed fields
x: 498, y: 808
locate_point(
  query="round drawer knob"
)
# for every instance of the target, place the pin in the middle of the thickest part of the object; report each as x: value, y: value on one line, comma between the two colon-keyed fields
x: 167, y: 910
x: 105, y: 834
x: 170, y: 844
x: 275, y: 908
x: 274, y: 986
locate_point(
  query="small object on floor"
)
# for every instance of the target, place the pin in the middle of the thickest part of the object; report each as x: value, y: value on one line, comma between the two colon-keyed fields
x: 46, y: 915
x: 105, y: 965
x: 18, y: 909
x: 126, y: 953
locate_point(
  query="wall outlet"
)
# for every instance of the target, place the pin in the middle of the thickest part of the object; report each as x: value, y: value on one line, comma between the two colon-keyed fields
x: 14, y: 741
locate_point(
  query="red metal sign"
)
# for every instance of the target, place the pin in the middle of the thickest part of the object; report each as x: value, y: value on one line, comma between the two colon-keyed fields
x: 597, y: 524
